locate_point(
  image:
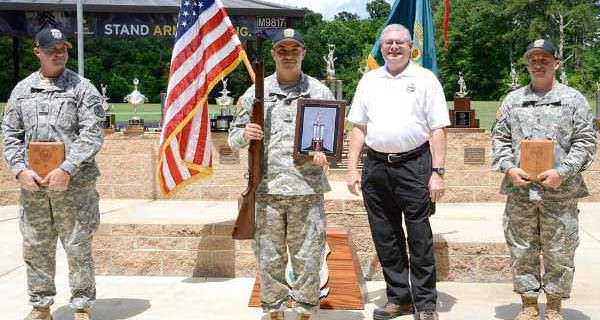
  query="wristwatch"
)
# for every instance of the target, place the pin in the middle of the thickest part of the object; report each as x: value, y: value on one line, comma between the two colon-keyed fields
x: 440, y: 170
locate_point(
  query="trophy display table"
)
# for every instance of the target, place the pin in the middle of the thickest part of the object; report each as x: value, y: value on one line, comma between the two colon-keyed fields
x: 347, y: 289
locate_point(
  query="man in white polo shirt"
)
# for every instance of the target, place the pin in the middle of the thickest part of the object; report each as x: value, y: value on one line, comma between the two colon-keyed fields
x: 397, y: 111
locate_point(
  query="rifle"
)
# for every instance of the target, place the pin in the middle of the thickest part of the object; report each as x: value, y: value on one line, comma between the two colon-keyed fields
x: 244, y: 225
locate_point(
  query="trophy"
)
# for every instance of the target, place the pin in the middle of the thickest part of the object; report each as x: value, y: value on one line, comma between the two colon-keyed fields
x: 514, y: 85
x: 330, y: 60
x: 225, y: 102
x: 462, y: 116
x: 135, y: 125
x: 109, y: 118
x: 317, y: 136
x: 331, y: 82
x: 462, y: 86
x: 597, y: 106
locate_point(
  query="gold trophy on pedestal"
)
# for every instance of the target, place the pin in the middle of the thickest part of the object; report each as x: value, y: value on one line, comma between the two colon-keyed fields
x: 334, y: 84
x: 135, y: 125
x: 109, y: 118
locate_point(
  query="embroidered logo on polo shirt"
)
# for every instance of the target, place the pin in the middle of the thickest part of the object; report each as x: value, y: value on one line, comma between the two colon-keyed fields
x: 411, y: 87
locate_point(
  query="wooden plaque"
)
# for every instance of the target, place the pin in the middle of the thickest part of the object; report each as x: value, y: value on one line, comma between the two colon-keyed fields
x: 45, y: 156
x: 347, y: 289
x: 537, y: 156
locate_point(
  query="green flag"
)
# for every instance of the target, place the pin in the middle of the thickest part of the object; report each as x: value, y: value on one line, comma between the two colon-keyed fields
x: 415, y: 15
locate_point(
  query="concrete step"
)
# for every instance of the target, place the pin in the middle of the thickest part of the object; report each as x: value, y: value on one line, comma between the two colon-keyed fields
x: 192, y: 238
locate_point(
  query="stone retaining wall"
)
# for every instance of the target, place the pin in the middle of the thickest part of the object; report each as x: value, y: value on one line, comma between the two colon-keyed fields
x: 128, y: 166
x: 207, y: 250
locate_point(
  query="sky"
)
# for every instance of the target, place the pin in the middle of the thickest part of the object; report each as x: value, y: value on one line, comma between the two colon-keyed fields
x: 328, y: 8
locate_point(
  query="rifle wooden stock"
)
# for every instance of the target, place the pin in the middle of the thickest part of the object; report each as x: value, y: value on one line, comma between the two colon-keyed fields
x: 244, y: 225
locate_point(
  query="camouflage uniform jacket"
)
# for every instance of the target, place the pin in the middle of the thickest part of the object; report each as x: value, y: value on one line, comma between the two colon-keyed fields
x: 563, y: 115
x: 67, y: 109
x: 282, y: 175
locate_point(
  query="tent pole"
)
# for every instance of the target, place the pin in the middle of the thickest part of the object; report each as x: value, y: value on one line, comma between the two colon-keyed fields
x: 80, y: 66
x: 16, y: 62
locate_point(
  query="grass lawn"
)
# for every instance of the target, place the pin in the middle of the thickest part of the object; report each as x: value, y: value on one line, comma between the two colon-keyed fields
x: 485, y: 111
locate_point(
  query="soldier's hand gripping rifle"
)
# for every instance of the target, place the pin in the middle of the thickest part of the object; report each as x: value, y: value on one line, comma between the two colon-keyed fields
x: 244, y: 225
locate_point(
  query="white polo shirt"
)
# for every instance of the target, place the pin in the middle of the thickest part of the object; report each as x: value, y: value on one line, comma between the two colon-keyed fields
x: 401, y: 111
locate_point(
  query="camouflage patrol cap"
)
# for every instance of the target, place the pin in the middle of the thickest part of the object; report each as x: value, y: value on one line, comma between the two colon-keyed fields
x: 541, y: 44
x: 49, y: 37
x: 288, y: 35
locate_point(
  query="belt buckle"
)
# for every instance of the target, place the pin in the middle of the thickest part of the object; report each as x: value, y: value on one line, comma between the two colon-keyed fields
x: 389, y: 157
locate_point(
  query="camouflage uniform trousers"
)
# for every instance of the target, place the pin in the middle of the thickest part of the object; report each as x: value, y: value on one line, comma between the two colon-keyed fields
x: 297, y: 222
x: 549, y: 228
x: 72, y: 216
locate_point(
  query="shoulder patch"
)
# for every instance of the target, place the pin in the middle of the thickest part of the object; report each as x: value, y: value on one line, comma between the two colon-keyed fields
x: 99, y: 111
x: 93, y: 100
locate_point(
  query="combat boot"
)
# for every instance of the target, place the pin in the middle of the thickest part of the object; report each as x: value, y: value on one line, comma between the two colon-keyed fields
x: 530, y: 309
x: 428, y: 315
x: 305, y: 316
x: 392, y: 310
x: 553, y: 308
x: 39, y: 314
x: 276, y: 315
x: 82, y: 314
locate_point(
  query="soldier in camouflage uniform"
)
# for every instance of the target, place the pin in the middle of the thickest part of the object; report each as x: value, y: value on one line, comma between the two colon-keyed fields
x: 289, y: 199
x: 541, y: 217
x: 55, y: 104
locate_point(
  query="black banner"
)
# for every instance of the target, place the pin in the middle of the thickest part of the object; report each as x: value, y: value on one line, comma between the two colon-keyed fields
x: 124, y: 25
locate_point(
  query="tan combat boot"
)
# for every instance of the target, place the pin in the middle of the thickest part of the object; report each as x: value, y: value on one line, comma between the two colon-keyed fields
x: 82, y: 314
x: 39, y: 314
x: 304, y: 316
x: 276, y: 315
x: 553, y: 307
x: 530, y: 309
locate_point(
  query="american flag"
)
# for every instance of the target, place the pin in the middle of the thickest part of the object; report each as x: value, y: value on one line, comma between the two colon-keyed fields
x: 206, y: 49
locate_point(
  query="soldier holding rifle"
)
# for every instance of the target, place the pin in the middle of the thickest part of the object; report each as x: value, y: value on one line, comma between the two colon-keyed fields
x: 289, y: 197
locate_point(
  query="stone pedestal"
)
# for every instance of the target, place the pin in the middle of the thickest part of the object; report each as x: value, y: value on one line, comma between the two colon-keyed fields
x: 462, y: 116
x: 109, y: 121
x: 134, y: 127
x: 336, y: 87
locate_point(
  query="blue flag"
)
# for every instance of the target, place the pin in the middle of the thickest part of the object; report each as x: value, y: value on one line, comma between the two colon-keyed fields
x: 416, y: 16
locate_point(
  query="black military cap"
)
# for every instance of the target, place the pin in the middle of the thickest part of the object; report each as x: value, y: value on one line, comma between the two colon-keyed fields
x: 288, y: 34
x: 48, y: 38
x: 541, y: 44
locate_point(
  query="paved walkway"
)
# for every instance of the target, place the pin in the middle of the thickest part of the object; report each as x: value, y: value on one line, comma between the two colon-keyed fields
x: 166, y: 298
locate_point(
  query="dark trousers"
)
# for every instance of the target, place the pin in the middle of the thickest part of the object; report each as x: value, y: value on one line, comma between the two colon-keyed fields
x: 391, y: 191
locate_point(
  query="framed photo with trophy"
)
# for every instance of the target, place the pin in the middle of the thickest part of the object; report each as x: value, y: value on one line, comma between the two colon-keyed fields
x: 462, y: 119
x: 319, y: 127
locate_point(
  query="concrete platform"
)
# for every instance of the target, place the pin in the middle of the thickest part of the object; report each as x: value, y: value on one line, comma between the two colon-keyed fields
x: 166, y: 298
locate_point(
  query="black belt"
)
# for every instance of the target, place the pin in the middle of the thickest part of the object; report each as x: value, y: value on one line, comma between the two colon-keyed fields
x: 398, y: 157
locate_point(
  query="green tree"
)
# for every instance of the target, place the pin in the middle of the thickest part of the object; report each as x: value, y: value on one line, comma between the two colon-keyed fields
x: 487, y: 35
x: 346, y: 16
x: 378, y: 9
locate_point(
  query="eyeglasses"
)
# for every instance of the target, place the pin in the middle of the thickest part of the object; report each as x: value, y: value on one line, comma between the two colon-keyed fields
x: 389, y: 43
